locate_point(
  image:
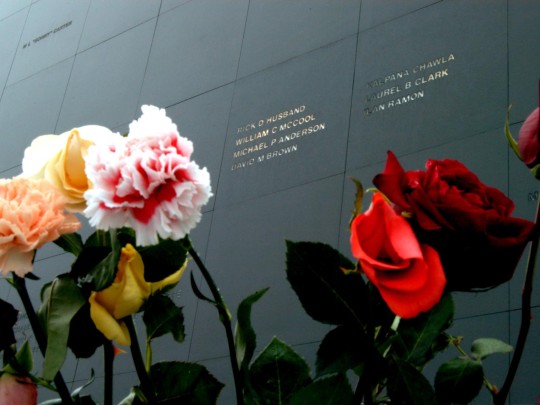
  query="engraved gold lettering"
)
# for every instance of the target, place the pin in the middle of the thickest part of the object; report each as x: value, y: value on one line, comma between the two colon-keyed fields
x: 297, y: 122
x: 395, y: 102
x: 243, y: 164
x: 389, y: 78
x: 246, y: 127
x: 283, y: 151
x: 284, y: 114
x: 384, y: 93
x: 250, y: 149
x: 299, y: 134
x: 276, y: 130
x: 433, y: 63
x: 252, y: 137
x: 431, y: 77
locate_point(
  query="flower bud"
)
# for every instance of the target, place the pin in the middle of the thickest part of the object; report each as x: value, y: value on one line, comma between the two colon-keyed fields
x: 17, y: 390
x: 528, y: 140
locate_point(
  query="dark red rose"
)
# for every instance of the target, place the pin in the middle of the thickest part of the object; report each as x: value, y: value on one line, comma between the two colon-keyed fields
x: 409, y: 276
x: 528, y: 140
x: 467, y: 222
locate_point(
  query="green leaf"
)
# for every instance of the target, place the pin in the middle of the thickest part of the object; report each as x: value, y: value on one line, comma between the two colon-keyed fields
x: 535, y: 172
x: 70, y: 242
x: 330, y: 391
x: 22, y: 362
x: 198, y: 292
x: 245, y: 339
x: 77, y: 391
x: 418, y: 339
x: 8, y: 317
x: 459, y: 380
x: 64, y: 300
x: 342, y: 349
x: 163, y: 259
x: 31, y: 276
x: 483, y: 347
x: 184, y: 383
x: 75, y: 395
x: 511, y: 141
x: 86, y: 262
x: 316, y: 273
x: 24, y: 357
x: 278, y: 373
x: 97, y: 263
x: 162, y: 316
x: 358, y: 198
x: 407, y: 385
x: 129, y: 400
x: 84, y: 338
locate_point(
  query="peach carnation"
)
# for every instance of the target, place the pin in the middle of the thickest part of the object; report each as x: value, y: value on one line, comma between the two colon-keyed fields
x: 31, y: 214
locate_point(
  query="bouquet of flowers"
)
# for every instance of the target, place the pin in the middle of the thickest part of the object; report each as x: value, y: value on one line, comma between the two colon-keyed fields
x: 425, y: 234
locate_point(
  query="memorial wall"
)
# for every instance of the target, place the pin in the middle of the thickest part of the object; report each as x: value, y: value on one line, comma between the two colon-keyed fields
x: 285, y: 101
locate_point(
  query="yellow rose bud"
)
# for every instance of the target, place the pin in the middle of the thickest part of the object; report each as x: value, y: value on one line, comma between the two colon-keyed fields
x: 60, y: 159
x: 125, y: 296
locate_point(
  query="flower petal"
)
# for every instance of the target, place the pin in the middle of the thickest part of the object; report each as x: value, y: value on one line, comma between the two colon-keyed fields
x: 107, y: 324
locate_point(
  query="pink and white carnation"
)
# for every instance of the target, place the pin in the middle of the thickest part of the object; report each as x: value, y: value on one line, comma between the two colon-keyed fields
x: 147, y: 181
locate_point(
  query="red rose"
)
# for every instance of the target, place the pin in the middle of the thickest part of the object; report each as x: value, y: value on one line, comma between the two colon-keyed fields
x: 467, y: 222
x: 528, y: 140
x: 17, y: 390
x: 408, y: 275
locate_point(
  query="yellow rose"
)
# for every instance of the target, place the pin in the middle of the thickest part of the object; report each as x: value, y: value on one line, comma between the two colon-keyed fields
x: 125, y: 296
x: 59, y: 159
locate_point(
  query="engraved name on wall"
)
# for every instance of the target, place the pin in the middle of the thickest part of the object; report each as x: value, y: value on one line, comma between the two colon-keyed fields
x: 46, y: 35
x: 274, y: 136
x: 407, y: 85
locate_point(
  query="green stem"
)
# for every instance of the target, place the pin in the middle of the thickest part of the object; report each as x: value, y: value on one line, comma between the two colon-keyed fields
x: 364, y: 388
x: 499, y: 398
x: 144, y: 378
x: 41, y: 339
x: 108, y: 354
x: 148, y: 355
x: 225, y: 318
x: 456, y: 342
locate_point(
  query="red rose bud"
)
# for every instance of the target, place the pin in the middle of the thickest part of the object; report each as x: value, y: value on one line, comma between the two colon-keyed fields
x: 409, y: 276
x: 468, y: 223
x: 17, y: 390
x: 529, y: 140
